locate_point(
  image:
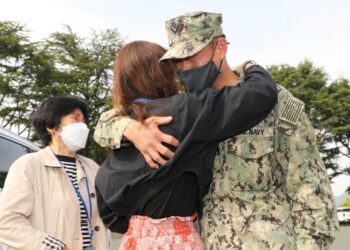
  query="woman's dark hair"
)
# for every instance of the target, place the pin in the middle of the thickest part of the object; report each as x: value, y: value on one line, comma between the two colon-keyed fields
x: 138, y: 74
x: 50, y: 112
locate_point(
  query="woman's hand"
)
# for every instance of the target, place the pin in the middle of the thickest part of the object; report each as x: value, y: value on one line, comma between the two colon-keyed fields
x: 241, y: 68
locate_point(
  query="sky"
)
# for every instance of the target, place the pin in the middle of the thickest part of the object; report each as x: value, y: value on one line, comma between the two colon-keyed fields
x: 269, y: 31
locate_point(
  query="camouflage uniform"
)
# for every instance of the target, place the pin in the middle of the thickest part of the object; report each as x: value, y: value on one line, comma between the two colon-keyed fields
x: 270, y: 189
x: 110, y: 128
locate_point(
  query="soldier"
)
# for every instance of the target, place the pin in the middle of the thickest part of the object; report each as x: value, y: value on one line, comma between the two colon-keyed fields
x: 270, y: 188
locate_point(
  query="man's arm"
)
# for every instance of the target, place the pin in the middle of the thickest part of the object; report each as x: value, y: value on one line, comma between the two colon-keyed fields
x: 313, y: 207
x: 110, y: 128
x: 147, y: 138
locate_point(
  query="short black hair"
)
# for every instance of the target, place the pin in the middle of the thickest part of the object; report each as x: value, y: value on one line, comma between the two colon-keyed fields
x: 50, y: 112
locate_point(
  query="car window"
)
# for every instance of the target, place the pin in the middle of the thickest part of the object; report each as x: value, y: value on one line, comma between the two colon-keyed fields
x: 9, y: 152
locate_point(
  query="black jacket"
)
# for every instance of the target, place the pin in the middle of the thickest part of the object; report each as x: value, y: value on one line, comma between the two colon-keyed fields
x: 127, y: 186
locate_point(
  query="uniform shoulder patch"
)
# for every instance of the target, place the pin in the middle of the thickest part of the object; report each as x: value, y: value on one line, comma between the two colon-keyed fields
x: 292, y: 110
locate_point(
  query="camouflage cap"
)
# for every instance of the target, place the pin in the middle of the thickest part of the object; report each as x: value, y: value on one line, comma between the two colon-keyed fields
x: 188, y: 34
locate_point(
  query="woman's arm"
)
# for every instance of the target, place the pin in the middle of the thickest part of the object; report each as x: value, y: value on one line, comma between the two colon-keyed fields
x: 224, y: 113
x: 215, y: 115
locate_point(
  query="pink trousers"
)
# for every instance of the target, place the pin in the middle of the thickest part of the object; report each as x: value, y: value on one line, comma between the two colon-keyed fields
x: 173, y: 233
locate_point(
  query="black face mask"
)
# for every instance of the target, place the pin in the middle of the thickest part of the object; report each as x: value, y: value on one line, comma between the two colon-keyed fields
x: 200, y: 78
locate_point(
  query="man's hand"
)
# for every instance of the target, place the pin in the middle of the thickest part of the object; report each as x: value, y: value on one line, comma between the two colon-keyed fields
x: 148, y: 139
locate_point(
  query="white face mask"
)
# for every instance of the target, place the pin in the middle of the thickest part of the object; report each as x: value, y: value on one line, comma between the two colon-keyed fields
x: 74, y: 135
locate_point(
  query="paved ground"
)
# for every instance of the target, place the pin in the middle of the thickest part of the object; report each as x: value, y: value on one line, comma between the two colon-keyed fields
x: 342, y: 242
x: 116, y: 241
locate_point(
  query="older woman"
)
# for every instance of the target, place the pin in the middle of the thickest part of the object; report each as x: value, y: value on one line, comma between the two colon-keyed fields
x: 48, y: 201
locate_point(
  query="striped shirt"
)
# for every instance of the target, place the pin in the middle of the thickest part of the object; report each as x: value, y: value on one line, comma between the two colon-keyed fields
x: 69, y: 165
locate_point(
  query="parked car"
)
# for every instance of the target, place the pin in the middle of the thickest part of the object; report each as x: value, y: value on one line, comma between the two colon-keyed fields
x: 343, y: 214
x: 12, y: 147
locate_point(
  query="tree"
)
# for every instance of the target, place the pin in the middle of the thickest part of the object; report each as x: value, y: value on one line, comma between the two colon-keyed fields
x: 22, y: 64
x: 85, y: 70
x: 63, y: 64
x: 332, y: 109
x: 326, y: 103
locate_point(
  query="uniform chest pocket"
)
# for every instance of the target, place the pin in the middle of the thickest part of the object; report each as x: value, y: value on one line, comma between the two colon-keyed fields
x: 251, y: 146
x: 251, y: 162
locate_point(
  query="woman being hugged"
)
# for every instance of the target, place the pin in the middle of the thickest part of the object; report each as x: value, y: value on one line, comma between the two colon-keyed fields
x: 155, y: 208
x: 48, y: 201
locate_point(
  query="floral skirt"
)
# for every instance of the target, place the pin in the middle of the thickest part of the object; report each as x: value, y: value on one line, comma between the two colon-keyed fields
x: 173, y: 233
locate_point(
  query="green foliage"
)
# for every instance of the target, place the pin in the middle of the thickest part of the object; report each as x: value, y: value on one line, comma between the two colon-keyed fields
x: 63, y: 64
x: 22, y: 63
x: 333, y: 111
x: 326, y: 103
x: 67, y: 64
x: 304, y: 82
x: 346, y: 203
x: 85, y: 70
